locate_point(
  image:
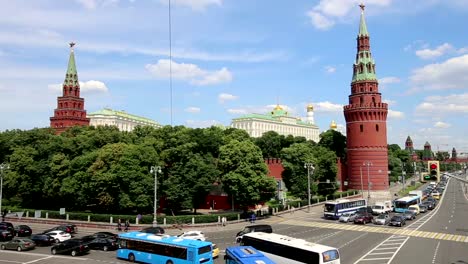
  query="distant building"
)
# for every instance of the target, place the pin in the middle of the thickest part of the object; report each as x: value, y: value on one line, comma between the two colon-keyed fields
x: 121, y: 119
x: 279, y: 121
x: 427, y: 152
x: 70, y: 106
x: 410, y: 149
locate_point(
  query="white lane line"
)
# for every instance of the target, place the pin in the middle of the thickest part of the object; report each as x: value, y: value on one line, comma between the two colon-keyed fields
x: 435, y: 252
x: 370, y: 259
x: 389, y: 244
x: 351, y: 241
x: 386, y: 248
x: 11, y: 261
x: 32, y: 261
x: 396, y: 252
x: 382, y: 253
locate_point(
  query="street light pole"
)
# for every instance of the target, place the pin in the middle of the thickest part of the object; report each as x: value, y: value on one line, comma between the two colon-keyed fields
x: 309, y: 167
x: 4, y: 166
x: 362, y: 183
x: 155, y: 170
x: 368, y: 164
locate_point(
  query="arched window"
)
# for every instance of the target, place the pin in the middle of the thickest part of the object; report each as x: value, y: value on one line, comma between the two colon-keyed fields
x: 373, y: 100
x: 377, y: 128
x: 361, y: 128
x: 361, y: 100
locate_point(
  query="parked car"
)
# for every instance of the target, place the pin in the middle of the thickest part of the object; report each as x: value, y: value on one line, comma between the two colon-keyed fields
x: 153, y: 230
x: 397, y: 220
x: 9, y: 226
x: 409, y: 215
x: 74, y: 247
x: 42, y: 239
x: 382, y: 219
x: 363, y: 218
x: 18, y: 244
x: 63, y: 228
x: 100, y: 243
x: 23, y: 230
x: 215, y: 251
x: 347, y: 217
x: 195, y: 235
x: 5, y: 233
x: 59, y: 236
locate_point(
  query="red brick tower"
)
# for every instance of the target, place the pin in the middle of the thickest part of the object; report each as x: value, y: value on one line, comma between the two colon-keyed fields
x: 366, y: 123
x: 70, y: 106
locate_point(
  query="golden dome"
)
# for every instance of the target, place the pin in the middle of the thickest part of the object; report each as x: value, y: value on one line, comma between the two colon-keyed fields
x: 310, y: 108
x: 333, y: 124
x: 277, y: 107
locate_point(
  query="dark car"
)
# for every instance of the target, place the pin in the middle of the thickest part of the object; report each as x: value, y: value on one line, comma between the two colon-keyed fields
x: 397, y: 220
x: 64, y: 228
x: 409, y: 215
x: 105, y: 234
x: 153, y: 230
x: 42, y: 240
x: 74, y: 247
x: 365, y: 210
x: 23, y: 230
x: 253, y: 228
x: 100, y: 243
x: 363, y: 218
x: 428, y: 204
x: 422, y: 208
x: 10, y: 227
x: 18, y: 244
x: 6, y: 233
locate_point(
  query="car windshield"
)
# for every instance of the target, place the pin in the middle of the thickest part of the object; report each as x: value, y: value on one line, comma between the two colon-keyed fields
x: 381, y: 217
x: 346, y: 214
x: 396, y: 218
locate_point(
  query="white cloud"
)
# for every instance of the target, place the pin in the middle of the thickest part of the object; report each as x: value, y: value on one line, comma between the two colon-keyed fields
x: 197, y: 5
x: 328, y: 107
x: 389, y: 80
x: 389, y: 102
x: 437, y: 52
x: 330, y: 69
x: 440, y: 124
x: 450, y: 74
x: 326, y: 13
x: 85, y: 87
x: 223, y: 97
x: 88, y: 4
x: 192, y: 109
x: 395, y: 114
x: 189, y: 72
x: 237, y: 111
x: 443, y: 105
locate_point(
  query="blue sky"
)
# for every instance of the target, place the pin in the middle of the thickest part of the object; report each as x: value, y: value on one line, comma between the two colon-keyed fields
x: 232, y: 57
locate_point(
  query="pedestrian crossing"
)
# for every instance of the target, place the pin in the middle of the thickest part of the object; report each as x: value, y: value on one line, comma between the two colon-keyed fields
x: 385, y: 230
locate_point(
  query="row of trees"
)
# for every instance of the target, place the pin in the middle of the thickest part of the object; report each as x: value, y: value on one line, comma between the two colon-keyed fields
x: 105, y: 170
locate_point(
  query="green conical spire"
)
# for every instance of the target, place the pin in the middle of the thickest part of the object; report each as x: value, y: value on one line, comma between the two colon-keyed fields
x: 362, y: 24
x: 71, y: 78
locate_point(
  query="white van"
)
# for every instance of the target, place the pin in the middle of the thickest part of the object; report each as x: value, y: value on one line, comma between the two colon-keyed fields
x: 382, y: 207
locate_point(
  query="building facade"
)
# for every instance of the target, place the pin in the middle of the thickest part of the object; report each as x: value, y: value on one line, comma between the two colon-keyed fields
x: 121, y: 119
x: 279, y: 121
x: 70, y: 106
x: 366, y: 123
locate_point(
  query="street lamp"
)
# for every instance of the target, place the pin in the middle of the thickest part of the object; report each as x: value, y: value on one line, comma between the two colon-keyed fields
x: 155, y: 170
x: 4, y: 166
x: 310, y: 168
x: 362, y: 184
x: 368, y: 164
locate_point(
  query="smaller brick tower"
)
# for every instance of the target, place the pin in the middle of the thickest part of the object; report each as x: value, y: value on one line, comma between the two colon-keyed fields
x: 409, y: 145
x: 70, y: 106
x: 427, y: 152
x: 454, y: 155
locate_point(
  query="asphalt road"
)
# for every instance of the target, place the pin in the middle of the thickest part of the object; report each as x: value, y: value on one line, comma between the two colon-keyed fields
x: 439, y: 236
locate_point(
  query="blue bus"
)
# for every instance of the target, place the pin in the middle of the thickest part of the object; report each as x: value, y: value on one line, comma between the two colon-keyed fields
x: 402, y: 204
x: 163, y: 249
x: 245, y: 255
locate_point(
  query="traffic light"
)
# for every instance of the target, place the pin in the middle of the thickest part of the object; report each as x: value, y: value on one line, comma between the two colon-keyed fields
x: 434, y: 170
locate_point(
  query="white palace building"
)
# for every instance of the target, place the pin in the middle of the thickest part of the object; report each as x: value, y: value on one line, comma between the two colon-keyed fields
x: 279, y: 121
x: 121, y: 119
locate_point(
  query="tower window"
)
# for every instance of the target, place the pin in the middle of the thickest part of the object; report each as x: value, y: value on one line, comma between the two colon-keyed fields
x: 361, y: 128
x: 373, y: 99
x: 377, y: 128
x: 361, y: 100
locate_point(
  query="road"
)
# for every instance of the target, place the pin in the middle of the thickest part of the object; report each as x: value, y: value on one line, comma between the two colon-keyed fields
x: 439, y: 236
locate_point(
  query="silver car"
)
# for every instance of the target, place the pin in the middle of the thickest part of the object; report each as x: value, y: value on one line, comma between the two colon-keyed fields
x: 382, y: 219
x: 347, y: 217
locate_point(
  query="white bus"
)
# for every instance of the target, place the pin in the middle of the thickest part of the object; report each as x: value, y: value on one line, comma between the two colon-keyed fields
x: 334, y: 209
x: 288, y: 250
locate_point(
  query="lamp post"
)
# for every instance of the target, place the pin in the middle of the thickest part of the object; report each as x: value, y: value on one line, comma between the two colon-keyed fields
x: 155, y: 170
x: 310, y: 167
x: 362, y: 183
x: 4, y: 166
x: 368, y: 164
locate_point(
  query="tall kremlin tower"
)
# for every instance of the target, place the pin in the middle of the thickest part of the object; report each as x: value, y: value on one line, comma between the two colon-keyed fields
x: 366, y: 125
x: 70, y: 106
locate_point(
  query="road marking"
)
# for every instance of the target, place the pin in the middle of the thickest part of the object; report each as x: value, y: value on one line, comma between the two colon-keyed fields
x: 32, y: 261
x: 435, y: 252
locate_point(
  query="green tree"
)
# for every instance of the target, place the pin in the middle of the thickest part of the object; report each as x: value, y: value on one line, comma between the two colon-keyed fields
x: 270, y: 144
x: 334, y: 141
x: 244, y: 173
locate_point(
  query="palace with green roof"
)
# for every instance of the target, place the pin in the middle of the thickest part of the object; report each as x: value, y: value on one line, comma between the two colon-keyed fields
x: 279, y: 121
x: 121, y: 119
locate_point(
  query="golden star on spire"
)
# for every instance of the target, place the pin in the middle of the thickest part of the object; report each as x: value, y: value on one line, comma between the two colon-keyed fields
x: 362, y: 6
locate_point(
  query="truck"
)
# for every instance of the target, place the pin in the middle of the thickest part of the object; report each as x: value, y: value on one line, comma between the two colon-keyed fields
x: 416, y: 193
x: 384, y: 207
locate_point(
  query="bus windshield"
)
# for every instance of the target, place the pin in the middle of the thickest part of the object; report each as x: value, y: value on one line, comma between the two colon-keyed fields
x: 329, y: 208
x: 150, y: 248
x: 245, y: 255
x: 284, y: 249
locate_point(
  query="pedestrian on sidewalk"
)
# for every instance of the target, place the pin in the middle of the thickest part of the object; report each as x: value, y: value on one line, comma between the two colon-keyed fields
x: 223, y: 221
x: 127, y: 225
x: 119, y: 225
